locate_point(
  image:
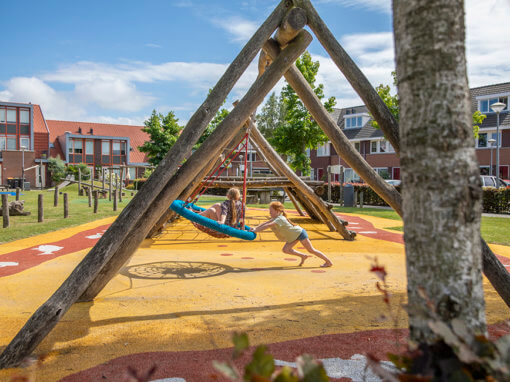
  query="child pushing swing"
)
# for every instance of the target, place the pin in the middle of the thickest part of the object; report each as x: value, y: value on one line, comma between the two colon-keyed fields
x: 290, y: 233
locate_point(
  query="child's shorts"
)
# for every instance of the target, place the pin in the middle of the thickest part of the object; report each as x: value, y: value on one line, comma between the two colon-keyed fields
x: 303, y: 235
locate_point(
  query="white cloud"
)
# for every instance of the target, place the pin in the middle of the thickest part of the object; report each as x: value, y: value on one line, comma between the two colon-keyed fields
x: 372, y: 5
x: 151, y: 45
x: 488, y: 39
x: 240, y: 29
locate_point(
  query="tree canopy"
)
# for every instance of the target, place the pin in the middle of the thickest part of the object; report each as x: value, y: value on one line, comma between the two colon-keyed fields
x: 288, y: 125
x: 163, y: 132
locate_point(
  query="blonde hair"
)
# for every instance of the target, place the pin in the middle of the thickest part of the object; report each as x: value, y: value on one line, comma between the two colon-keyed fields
x: 279, y: 207
x: 233, y: 195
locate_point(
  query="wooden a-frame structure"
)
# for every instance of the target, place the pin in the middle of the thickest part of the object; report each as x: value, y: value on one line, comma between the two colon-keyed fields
x: 169, y: 182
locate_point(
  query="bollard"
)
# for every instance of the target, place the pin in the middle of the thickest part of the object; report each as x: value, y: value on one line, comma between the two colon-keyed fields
x: 96, y: 200
x: 55, y: 197
x: 89, y: 194
x: 361, y: 199
x: 115, y: 200
x: 5, y: 210
x: 355, y: 198
x: 66, y: 206
x: 17, y: 193
x: 80, y: 190
x: 40, y: 208
x: 111, y: 185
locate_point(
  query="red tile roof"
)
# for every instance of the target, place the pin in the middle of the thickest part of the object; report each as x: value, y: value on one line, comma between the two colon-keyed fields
x: 39, y: 125
x: 136, y: 135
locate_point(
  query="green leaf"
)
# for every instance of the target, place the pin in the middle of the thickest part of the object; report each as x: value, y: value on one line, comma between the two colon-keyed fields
x: 241, y: 343
x: 227, y: 370
x: 310, y: 370
x: 286, y: 375
x: 262, y: 365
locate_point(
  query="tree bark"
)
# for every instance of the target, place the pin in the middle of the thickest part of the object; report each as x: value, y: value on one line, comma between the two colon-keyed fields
x: 342, y: 145
x: 441, y: 218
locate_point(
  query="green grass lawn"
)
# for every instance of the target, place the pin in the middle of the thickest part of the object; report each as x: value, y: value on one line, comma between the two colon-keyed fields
x: 494, y: 229
x: 79, y: 213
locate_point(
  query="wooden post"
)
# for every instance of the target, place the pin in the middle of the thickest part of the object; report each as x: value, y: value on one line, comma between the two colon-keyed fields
x: 115, y: 192
x: 96, y: 200
x: 131, y: 227
x: 355, y: 202
x: 80, y: 191
x: 361, y: 199
x: 17, y: 193
x: 66, y: 206
x: 353, y: 74
x: 102, y: 176
x: 40, y: 208
x: 89, y: 195
x: 110, y: 185
x: 275, y: 159
x: 294, y: 201
x: 341, y: 179
x: 342, y: 145
x: 5, y: 210
x: 121, y: 183
x: 329, y: 184
x: 55, y: 197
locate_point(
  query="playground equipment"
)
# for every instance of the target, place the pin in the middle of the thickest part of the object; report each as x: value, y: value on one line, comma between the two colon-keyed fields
x: 166, y: 184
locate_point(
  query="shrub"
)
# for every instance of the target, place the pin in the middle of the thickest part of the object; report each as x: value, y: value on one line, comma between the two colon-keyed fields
x: 73, y: 170
x: 138, y: 183
x: 496, y: 200
x: 57, y: 169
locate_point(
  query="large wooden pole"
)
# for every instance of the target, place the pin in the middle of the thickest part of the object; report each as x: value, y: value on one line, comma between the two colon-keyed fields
x: 148, y: 203
x: 275, y: 159
x: 5, y: 210
x: 353, y: 74
x: 342, y: 145
x: 211, y: 148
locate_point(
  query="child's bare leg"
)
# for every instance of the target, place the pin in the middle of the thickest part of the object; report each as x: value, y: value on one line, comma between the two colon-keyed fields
x: 287, y: 248
x: 309, y: 247
x: 212, y: 212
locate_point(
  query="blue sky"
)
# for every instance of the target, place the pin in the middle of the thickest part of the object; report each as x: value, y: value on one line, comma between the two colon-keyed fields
x: 115, y: 61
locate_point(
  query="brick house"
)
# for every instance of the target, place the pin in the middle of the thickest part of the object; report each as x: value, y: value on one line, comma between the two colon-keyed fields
x: 27, y: 140
x: 377, y: 151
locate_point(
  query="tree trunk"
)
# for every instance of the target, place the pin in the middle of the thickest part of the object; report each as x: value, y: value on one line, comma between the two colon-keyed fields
x: 441, y: 183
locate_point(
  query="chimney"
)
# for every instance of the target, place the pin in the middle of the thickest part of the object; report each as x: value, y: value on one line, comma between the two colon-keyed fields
x: 91, y: 132
x: 79, y: 130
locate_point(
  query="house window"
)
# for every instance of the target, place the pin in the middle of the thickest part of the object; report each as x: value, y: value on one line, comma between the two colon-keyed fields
x: 11, y: 143
x: 105, y: 152
x: 89, y: 152
x: 118, y: 152
x: 483, y: 140
x: 13, y: 123
x: 24, y: 142
x: 485, y: 104
x: 357, y: 146
x: 323, y: 151
x: 382, y: 146
x: 383, y: 172
x: 353, y: 122
x: 350, y: 176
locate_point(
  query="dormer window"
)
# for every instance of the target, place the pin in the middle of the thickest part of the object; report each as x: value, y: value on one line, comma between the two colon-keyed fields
x: 484, y: 105
x: 354, y: 121
x: 323, y: 150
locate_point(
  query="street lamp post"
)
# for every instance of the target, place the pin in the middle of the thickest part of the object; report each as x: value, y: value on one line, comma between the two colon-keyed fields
x: 23, y: 148
x: 491, y: 143
x: 497, y: 108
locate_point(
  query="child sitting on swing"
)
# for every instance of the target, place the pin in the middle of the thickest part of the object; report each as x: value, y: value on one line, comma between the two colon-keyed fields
x: 228, y: 212
x: 290, y: 233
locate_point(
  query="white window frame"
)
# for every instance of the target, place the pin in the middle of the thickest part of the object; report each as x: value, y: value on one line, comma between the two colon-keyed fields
x: 11, y: 137
x: 24, y: 112
x: 378, y: 148
x: 357, y: 146
x: 3, y: 143
x: 492, y: 97
x: 324, y: 150
x: 10, y: 121
x: 350, y: 176
x: 364, y: 119
x: 492, y: 135
x: 380, y: 169
x: 27, y: 139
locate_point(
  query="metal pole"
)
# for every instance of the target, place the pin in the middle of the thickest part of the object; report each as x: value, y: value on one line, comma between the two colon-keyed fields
x: 490, y: 168
x: 497, y: 149
x: 23, y: 168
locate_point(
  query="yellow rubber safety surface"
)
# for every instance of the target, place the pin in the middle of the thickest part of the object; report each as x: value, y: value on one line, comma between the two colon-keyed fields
x: 188, y: 291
